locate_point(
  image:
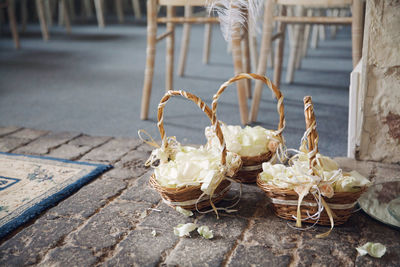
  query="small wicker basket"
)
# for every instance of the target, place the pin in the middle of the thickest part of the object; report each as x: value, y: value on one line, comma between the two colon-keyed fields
x: 189, y: 197
x: 252, y: 165
x: 285, y: 201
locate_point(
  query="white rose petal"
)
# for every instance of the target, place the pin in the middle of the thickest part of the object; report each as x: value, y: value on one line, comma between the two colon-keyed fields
x: 248, y: 141
x: 181, y: 210
x: 205, y: 232
x: 376, y: 250
x: 184, y: 229
x: 299, y: 173
x: 192, y: 166
x: 153, y: 233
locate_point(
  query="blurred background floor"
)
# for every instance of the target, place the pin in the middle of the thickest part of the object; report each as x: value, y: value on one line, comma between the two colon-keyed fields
x: 91, y: 82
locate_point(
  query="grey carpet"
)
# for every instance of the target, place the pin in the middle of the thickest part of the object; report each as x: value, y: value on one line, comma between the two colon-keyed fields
x: 91, y: 82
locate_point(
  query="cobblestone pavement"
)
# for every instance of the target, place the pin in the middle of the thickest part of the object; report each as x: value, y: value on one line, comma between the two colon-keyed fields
x: 109, y: 222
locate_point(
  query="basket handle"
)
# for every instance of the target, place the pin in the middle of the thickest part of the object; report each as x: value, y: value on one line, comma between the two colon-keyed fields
x: 311, y: 129
x: 201, y: 105
x: 253, y: 76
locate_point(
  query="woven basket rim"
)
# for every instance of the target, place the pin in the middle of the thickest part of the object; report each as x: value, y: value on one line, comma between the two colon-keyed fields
x: 286, y: 191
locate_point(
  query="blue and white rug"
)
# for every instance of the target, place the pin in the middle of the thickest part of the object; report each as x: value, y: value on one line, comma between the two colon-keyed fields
x: 31, y: 184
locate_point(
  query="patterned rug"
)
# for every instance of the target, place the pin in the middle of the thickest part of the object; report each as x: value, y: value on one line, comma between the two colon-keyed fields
x: 31, y: 184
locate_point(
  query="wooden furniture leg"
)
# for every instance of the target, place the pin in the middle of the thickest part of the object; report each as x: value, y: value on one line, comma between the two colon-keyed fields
x: 88, y: 8
x: 307, y: 29
x: 279, y: 51
x: 120, y: 11
x: 357, y: 31
x: 42, y: 19
x: 24, y: 15
x: 334, y: 13
x: 321, y: 29
x: 207, y: 42
x: 253, y: 47
x: 238, y: 66
x: 314, y: 37
x: 266, y: 40
x: 13, y: 23
x: 67, y: 21
x: 246, y: 60
x: 99, y: 13
x: 136, y: 9
x: 49, y: 14
x: 299, y: 51
x: 271, y: 56
x: 71, y: 9
x: 290, y: 27
x: 184, y: 42
x: 294, y: 47
x: 169, y: 62
x: 150, y: 57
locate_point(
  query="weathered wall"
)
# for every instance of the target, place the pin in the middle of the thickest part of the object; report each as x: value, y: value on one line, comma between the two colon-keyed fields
x: 380, y: 138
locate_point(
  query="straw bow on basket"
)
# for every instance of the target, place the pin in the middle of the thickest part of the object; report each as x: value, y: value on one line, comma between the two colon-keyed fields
x: 192, y: 195
x: 252, y: 165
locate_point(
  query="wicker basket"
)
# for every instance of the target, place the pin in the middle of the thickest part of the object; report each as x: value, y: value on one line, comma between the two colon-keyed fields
x: 188, y: 197
x: 284, y: 201
x: 252, y: 164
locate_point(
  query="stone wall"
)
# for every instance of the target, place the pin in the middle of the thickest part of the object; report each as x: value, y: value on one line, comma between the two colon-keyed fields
x: 380, y: 137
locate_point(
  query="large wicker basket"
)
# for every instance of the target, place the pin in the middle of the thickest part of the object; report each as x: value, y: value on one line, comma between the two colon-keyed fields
x: 252, y: 165
x: 285, y: 201
x: 189, y: 197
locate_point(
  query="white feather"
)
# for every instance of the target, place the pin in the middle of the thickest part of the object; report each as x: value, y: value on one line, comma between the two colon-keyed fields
x: 233, y: 12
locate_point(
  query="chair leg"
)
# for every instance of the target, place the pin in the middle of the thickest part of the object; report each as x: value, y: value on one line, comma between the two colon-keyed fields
x: 334, y: 13
x: 169, y: 62
x: 290, y: 28
x: 307, y: 29
x: 299, y: 48
x: 207, y: 42
x: 321, y: 29
x: 100, y: 13
x: 238, y: 68
x: 120, y: 11
x: 184, y: 42
x: 294, y: 48
x: 266, y: 40
x: 150, y: 57
x: 357, y: 31
x: 42, y: 19
x: 65, y: 15
x: 136, y: 9
x: 13, y: 23
x: 271, y: 56
x: 246, y: 60
x: 24, y: 15
x: 71, y: 9
x: 314, y: 37
x: 253, y: 48
x: 49, y: 14
x: 87, y: 8
x: 279, y: 50
x: 60, y: 14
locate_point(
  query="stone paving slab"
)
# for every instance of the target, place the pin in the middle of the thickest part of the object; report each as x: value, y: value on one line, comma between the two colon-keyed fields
x: 111, y: 151
x: 13, y: 138
x: 109, y: 222
x: 8, y: 130
x: 43, y: 144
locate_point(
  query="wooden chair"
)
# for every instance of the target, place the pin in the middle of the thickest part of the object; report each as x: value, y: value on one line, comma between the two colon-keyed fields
x: 171, y: 20
x: 355, y: 21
